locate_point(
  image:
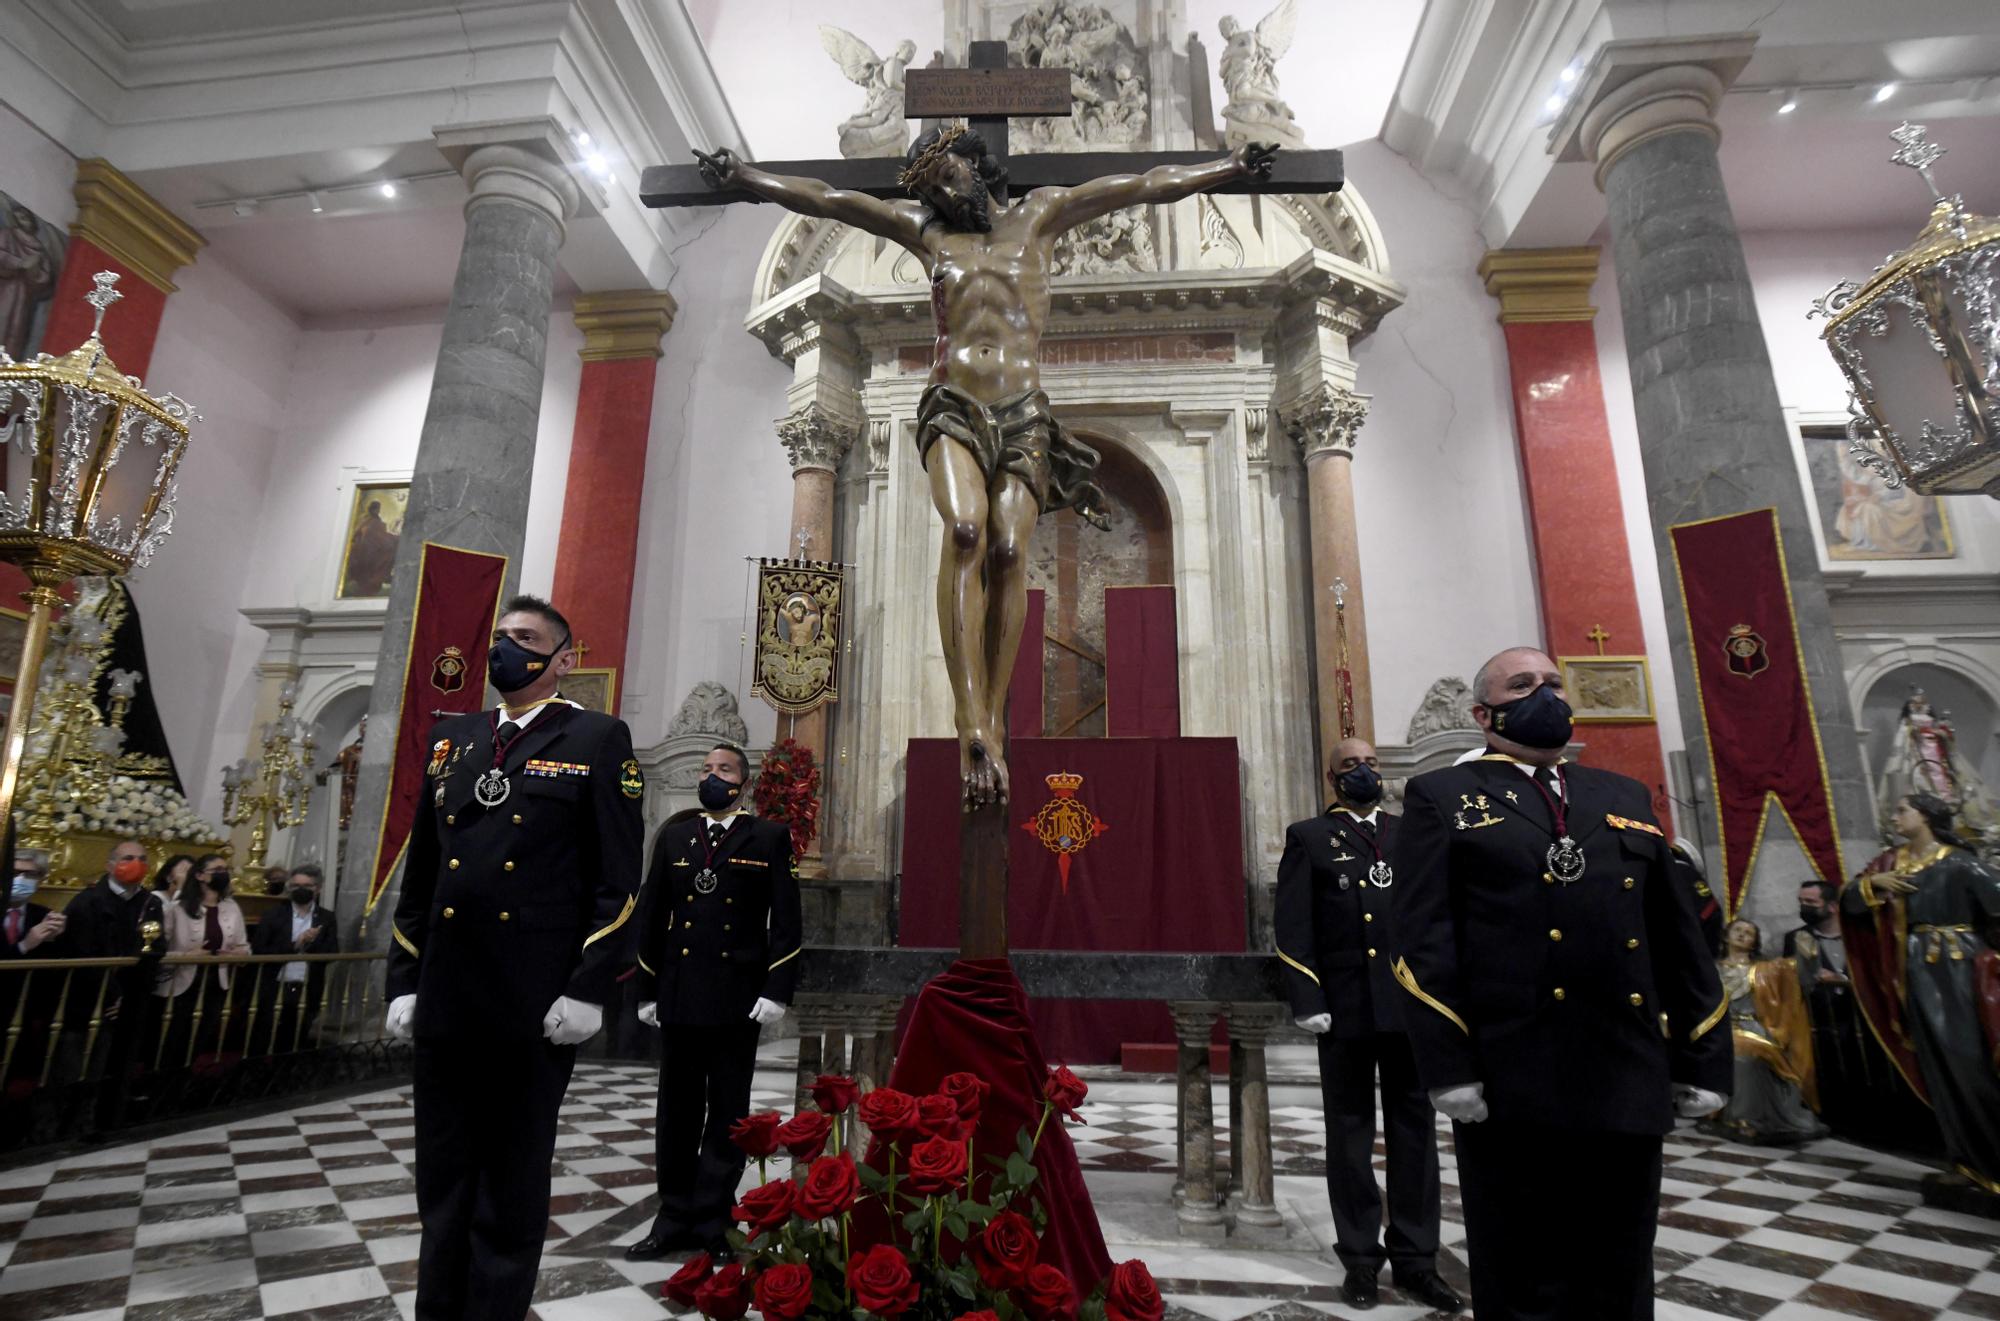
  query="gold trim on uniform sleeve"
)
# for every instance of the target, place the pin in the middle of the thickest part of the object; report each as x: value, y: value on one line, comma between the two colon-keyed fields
x: 1408, y: 981
x: 404, y: 941
x: 1721, y: 1012
x: 631, y: 901
x: 1294, y: 963
x: 648, y: 967
x: 781, y: 962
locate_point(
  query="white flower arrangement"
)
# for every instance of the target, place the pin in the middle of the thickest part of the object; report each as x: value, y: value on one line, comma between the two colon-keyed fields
x: 152, y: 809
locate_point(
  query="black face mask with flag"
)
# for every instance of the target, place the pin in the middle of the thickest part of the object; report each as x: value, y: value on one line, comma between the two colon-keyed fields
x: 1360, y: 786
x: 512, y: 667
x: 1539, y: 720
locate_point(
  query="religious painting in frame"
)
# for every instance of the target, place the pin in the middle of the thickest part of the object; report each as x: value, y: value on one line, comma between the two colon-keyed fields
x: 1607, y: 689
x: 593, y: 689
x: 31, y: 257
x: 1861, y: 517
x: 373, y: 530
x: 797, y: 664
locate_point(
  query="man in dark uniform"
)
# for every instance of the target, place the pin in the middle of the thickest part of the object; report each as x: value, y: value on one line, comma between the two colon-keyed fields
x: 1334, y: 888
x: 718, y: 948
x: 512, y: 925
x: 1560, y: 1002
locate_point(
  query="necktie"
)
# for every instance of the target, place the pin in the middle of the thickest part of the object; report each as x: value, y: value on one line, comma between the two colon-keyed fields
x: 504, y: 735
x: 716, y: 830
x: 13, y: 926
x: 1550, y: 781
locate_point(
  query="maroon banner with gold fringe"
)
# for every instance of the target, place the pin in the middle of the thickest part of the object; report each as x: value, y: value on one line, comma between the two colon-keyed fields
x: 1756, y: 704
x: 458, y: 593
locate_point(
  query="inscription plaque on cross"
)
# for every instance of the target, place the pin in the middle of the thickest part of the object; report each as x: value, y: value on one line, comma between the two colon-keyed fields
x: 984, y: 224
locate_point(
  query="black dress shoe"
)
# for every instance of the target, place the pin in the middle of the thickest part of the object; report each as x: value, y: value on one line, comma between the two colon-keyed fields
x: 1359, y: 1288
x: 1430, y: 1289
x: 658, y: 1244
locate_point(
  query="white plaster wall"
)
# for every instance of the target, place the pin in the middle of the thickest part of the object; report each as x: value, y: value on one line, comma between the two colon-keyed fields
x: 35, y: 171
x: 718, y: 485
x: 229, y: 350
x: 1439, y: 504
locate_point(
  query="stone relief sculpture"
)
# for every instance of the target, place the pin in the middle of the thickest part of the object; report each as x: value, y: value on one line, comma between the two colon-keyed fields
x: 1108, y: 83
x: 1446, y: 707
x: 1121, y: 241
x: 710, y: 709
x: 879, y: 128
x: 1256, y: 112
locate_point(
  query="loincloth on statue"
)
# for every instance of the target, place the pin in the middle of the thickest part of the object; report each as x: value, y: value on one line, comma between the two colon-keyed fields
x: 1019, y: 436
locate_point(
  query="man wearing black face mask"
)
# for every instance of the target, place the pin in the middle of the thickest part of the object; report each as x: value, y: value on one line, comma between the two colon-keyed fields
x: 292, y: 991
x: 1560, y: 1001
x: 512, y: 926
x: 1335, y: 884
x: 718, y: 950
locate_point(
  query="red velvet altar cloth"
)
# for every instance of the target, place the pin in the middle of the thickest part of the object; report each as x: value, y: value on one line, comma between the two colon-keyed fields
x: 973, y: 1018
x: 1164, y: 874
x: 1142, y: 663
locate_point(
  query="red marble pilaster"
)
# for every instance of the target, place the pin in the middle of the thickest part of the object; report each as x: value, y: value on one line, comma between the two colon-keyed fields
x: 1583, y: 562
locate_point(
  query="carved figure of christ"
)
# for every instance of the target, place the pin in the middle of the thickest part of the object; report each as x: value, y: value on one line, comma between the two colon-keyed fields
x: 996, y: 456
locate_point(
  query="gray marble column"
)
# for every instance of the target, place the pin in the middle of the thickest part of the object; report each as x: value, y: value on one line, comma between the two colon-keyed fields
x: 1712, y: 435
x: 1250, y: 1028
x: 1199, y: 1214
x: 475, y: 455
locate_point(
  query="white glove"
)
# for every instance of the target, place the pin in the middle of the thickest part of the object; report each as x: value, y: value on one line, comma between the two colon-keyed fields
x: 766, y: 1012
x: 571, y: 1022
x: 1317, y: 1024
x: 1466, y: 1102
x: 402, y: 1013
x: 1692, y: 1102
x: 649, y: 1013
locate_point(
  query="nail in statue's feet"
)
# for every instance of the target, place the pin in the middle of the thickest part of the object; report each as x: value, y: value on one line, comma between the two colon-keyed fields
x: 983, y: 769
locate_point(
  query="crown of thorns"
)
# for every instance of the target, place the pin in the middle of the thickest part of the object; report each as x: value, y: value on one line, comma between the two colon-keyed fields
x: 931, y: 155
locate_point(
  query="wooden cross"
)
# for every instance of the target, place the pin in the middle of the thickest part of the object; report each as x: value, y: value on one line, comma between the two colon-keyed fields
x: 988, y: 93
x: 1599, y: 636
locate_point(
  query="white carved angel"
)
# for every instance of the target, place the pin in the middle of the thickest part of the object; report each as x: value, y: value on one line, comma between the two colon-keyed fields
x: 1249, y: 70
x: 879, y: 128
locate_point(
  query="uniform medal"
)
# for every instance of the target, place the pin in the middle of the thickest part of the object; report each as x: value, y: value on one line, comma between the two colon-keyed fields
x: 1565, y: 856
x: 492, y: 788
x: 706, y: 880
x: 1380, y: 874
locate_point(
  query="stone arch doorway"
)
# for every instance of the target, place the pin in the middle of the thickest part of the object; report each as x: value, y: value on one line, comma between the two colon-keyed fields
x: 1073, y: 563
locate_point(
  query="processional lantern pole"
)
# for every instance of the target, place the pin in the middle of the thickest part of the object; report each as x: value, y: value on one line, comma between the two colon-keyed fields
x: 99, y: 496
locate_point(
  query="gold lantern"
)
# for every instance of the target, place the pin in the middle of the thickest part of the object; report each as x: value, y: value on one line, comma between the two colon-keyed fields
x: 99, y: 494
x: 1920, y: 344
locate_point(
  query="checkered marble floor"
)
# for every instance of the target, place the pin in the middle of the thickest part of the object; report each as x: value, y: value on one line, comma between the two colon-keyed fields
x: 313, y: 1215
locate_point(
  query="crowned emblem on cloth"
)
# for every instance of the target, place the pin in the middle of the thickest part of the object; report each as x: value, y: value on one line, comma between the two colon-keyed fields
x: 1064, y: 825
x: 1747, y: 656
x: 448, y: 670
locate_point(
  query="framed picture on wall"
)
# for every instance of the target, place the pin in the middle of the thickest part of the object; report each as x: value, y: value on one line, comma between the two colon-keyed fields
x: 374, y: 528
x: 1861, y: 517
x: 595, y: 689
x: 13, y: 633
x: 1603, y: 689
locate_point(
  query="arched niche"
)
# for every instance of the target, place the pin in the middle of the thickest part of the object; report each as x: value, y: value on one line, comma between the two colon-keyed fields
x: 1974, y: 714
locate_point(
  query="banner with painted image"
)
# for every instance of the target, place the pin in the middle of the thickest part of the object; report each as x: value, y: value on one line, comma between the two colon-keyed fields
x: 797, y: 666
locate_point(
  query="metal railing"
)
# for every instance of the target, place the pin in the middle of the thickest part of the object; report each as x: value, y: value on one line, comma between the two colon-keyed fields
x: 96, y: 1044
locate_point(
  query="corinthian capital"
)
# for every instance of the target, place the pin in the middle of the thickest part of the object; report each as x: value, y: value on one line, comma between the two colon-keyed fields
x: 1326, y: 421
x: 815, y: 438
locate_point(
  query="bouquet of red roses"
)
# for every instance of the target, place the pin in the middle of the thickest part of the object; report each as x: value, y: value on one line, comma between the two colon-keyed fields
x: 956, y: 1255
x: 788, y: 791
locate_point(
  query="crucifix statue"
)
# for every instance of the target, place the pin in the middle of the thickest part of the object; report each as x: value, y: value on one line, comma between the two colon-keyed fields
x: 985, y: 228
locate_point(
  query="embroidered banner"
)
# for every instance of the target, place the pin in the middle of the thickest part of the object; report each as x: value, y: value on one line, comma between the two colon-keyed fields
x: 797, y: 668
x: 458, y: 594
x: 1756, y: 704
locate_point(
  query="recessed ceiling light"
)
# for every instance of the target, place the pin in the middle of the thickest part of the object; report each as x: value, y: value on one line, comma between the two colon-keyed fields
x: 1884, y: 92
x: 1569, y: 74
x: 388, y: 190
x: 597, y: 163
x: 1554, y: 104
x: 582, y: 138
x: 312, y: 199
x: 1791, y: 104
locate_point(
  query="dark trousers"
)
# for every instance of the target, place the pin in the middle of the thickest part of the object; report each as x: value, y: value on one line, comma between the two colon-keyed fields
x: 705, y: 1077
x: 486, y: 1133
x: 1347, y: 1072
x: 1558, y: 1223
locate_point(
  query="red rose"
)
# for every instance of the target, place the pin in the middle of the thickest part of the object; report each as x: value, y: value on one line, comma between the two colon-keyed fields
x: 831, y: 1185
x: 766, y: 1207
x: 937, y: 1165
x: 985, y: 1314
x: 1005, y: 1252
x: 888, y: 1113
x: 937, y: 1116
x: 1131, y: 1295
x: 881, y: 1281
x: 726, y: 1296
x: 805, y: 1135
x: 681, y: 1286
x: 1065, y: 1091
x: 968, y: 1091
x: 785, y: 1292
x: 834, y: 1092
x: 1048, y: 1294
x: 757, y: 1134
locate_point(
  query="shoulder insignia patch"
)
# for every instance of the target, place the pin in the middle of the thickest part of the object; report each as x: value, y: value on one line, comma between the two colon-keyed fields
x: 630, y: 780
x: 1625, y: 823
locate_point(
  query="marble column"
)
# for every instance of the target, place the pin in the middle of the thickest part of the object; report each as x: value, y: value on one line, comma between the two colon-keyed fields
x: 475, y: 454
x: 1250, y: 1028
x: 815, y: 441
x: 1324, y: 425
x: 598, y: 547
x: 1199, y: 1214
x: 1712, y: 435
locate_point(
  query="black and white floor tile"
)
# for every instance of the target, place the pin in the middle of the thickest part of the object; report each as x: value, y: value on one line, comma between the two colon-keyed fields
x: 312, y: 1216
